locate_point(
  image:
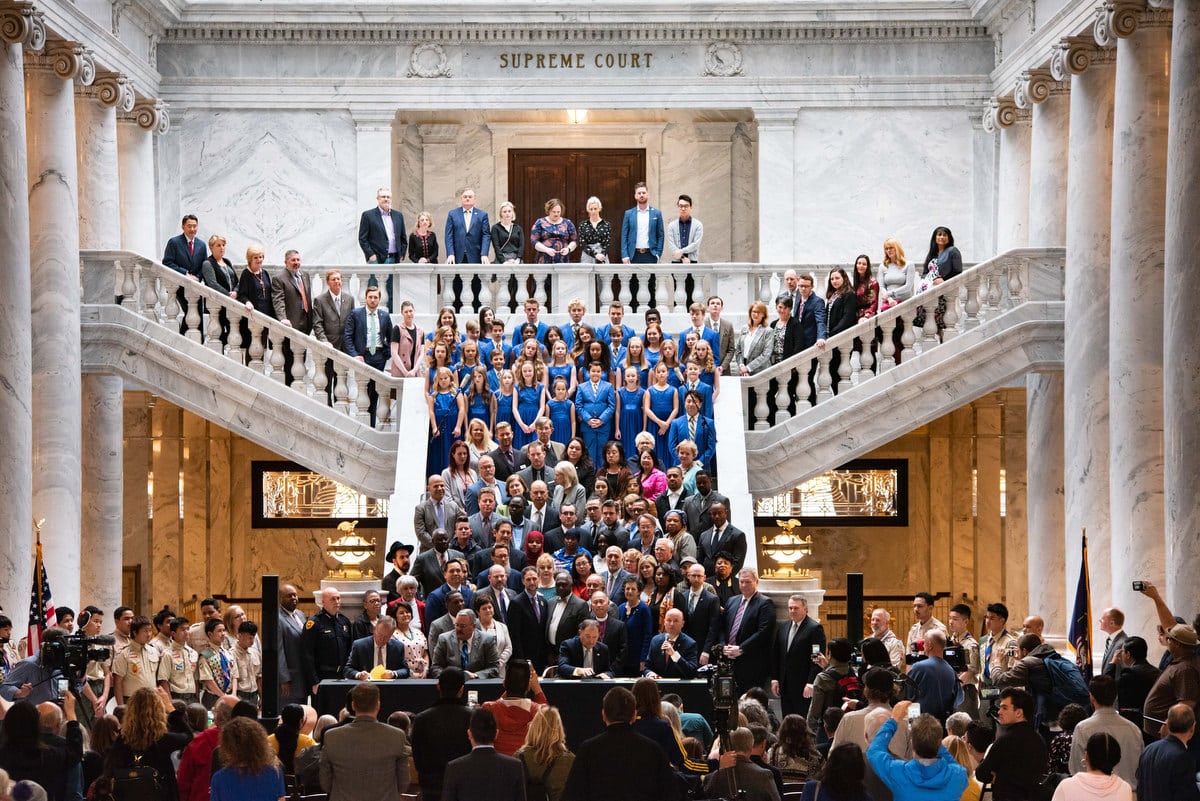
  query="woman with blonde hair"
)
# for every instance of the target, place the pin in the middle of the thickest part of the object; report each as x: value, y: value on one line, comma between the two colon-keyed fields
x: 145, y: 739
x: 595, y: 234
x: 545, y: 756
x: 251, y: 772
x: 567, y: 488
x: 422, y: 242
x: 508, y: 240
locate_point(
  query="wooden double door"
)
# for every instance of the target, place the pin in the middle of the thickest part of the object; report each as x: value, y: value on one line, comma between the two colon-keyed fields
x: 535, y: 176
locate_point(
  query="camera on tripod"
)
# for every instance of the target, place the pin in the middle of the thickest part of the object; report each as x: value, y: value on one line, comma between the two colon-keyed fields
x: 71, y: 654
x: 954, y: 654
x: 723, y: 689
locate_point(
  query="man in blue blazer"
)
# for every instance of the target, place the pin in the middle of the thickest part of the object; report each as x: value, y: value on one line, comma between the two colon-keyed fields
x: 368, y: 338
x: 584, y: 656
x: 705, y: 433
x: 673, y: 654
x: 381, y: 233
x: 467, y: 237
x: 595, y: 405
x: 363, y: 653
x: 186, y: 254
x: 812, y: 326
x: 642, y: 231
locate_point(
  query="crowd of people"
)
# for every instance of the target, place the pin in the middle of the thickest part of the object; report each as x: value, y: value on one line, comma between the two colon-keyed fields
x: 935, y: 712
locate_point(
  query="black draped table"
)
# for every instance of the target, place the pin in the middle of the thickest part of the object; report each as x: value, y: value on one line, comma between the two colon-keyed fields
x: 578, y: 701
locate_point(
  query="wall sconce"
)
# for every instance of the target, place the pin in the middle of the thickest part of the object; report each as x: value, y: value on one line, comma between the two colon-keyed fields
x: 577, y: 116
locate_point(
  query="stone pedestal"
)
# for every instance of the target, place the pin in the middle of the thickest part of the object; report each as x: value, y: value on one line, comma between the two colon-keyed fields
x: 352, y: 591
x: 1012, y: 217
x: 1085, y: 349
x: 1135, y: 385
x: 1181, y: 324
x: 54, y: 249
x: 776, y: 185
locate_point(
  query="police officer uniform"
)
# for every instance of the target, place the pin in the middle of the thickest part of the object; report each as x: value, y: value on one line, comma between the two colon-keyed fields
x: 325, y: 645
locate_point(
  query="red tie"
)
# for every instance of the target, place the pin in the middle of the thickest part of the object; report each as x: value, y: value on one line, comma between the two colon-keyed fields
x: 191, y: 247
x: 303, y: 294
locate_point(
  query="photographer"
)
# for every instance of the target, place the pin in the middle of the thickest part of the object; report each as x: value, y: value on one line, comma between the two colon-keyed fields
x: 835, y: 685
x: 938, y: 688
x: 30, y: 680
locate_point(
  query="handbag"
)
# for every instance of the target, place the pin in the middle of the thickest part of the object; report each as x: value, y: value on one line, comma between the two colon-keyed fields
x: 137, y: 782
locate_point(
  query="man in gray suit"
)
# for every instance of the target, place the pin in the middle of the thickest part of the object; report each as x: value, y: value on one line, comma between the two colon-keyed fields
x: 365, y: 760
x: 291, y: 665
x: 330, y: 311
x: 436, y: 511
x: 1112, y: 622
x: 466, y: 648
x: 293, y: 305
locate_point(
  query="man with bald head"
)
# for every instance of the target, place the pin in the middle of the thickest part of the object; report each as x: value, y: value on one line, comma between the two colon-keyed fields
x: 1033, y: 625
x: 325, y: 643
x: 291, y: 663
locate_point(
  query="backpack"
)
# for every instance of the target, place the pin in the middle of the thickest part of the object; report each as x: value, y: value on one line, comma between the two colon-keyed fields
x: 848, y: 686
x: 1066, y: 687
x: 137, y: 782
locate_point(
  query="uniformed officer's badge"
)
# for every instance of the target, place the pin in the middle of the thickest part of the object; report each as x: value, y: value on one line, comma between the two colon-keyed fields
x: 308, y: 624
x: 133, y: 667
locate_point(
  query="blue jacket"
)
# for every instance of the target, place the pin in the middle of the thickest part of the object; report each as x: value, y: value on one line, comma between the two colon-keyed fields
x: 467, y: 246
x: 601, y: 404
x: 355, y: 337
x: 913, y: 780
x: 176, y: 255
x: 629, y: 233
x: 706, y: 439
x: 639, y: 629
x: 706, y: 400
x: 812, y: 321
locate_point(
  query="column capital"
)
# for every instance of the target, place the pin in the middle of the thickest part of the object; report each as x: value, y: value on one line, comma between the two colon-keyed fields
x: 1036, y: 86
x: 439, y: 134
x: 1002, y: 112
x: 112, y: 89
x: 21, y: 23
x: 372, y: 119
x: 68, y: 60
x: 776, y: 117
x: 150, y: 114
x: 1117, y: 19
x: 1072, y: 55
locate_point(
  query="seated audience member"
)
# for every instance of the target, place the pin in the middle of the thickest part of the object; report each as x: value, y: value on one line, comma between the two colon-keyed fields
x: 739, y: 777
x: 932, y: 775
x: 653, y: 724
x: 250, y: 770
x: 795, y: 752
x: 841, y: 778
x: 1096, y: 781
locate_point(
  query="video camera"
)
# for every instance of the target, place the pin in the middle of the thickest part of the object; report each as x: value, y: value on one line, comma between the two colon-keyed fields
x: 723, y: 689
x: 71, y: 654
x: 954, y: 653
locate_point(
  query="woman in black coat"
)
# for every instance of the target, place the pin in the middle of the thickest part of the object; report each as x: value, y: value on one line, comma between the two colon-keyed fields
x: 842, y: 315
x: 145, y: 740
x: 254, y: 289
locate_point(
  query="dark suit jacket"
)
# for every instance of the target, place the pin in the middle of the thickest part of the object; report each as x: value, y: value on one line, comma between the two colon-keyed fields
x: 355, y: 338
x: 220, y: 277
x: 699, y: 519
x: 426, y: 571
x: 732, y: 539
x: 484, y: 774
x: 593, y: 778
x: 505, y: 468
x: 570, y: 656
x: 550, y: 519
x: 792, y: 667
x: 1106, y: 665
x: 435, y: 602
x: 572, y: 616
x: 439, y: 735
x: 754, y: 636
x: 1166, y: 770
x: 792, y: 336
x: 689, y: 658
x: 288, y: 303
x: 842, y: 312
x: 616, y: 638
x: 176, y: 255
x: 362, y: 658
x: 467, y: 246
x: 662, y: 505
x: 508, y: 593
x: 547, y: 474
x: 372, y: 236
x: 812, y: 321
x: 328, y: 325
x: 527, y: 633
x: 703, y: 623
x: 615, y: 587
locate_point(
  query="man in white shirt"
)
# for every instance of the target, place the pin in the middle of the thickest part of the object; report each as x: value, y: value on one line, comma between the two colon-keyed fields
x: 881, y: 629
x: 381, y: 233
x: 642, y: 230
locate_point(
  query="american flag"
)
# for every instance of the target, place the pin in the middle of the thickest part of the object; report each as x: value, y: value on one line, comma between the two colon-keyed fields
x: 41, y: 607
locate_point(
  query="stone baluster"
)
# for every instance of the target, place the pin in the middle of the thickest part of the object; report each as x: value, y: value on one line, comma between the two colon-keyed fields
x: 448, y: 289
x: 299, y: 368
x: 971, y: 307
x: 680, y: 298
x: 192, y: 293
x: 824, y: 381
x: 354, y: 286
x: 149, y: 293
x: 866, y: 359
x: 951, y: 316
x: 487, y: 294
x: 362, y: 401
x: 762, y: 409
x: 21, y: 26
x: 929, y: 337
x: 341, y: 388
x: 846, y: 350
x: 129, y: 285
x: 625, y: 295
x: 1135, y: 388
x: 233, y: 349
x: 55, y: 291
x: 277, y: 339
x: 907, y: 335
x: 383, y: 292
x: 539, y: 290
x: 1181, y: 324
x: 605, y: 278
x: 255, y: 346
x: 169, y: 302
x: 783, y: 400
x: 383, y: 408
x: 214, y: 329
x: 316, y: 365
x: 887, y: 347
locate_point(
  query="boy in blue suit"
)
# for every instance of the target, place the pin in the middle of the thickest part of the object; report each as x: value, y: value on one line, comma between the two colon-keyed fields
x: 595, y: 404
x: 704, y: 435
x: 694, y: 384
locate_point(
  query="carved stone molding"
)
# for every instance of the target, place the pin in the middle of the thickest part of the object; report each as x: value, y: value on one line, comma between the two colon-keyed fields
x: 1036, y: 86
x: 112, y: 89
x: 70, y: 61
x: 21, y: 23
x: 150, y: 114
x: 1160, y: 3
x: 439, y: 134
x: 723, y: 59
x: 429, y: 60
x: 1072, y: 55
x: 1117, y: 19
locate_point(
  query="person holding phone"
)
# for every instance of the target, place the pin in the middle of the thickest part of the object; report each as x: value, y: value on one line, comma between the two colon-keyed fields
x: 933, y: 774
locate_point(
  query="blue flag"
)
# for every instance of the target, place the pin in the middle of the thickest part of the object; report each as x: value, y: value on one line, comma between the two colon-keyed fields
x: 1080, y: 634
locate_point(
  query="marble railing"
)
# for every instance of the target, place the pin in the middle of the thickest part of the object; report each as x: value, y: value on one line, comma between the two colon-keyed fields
x: 149, y: 289
x: 980, y: 293
x: 466, y: 288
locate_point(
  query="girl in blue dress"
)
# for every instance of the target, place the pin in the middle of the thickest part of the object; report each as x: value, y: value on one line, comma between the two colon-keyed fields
x: 480, y: 402
x: 631, y: 413
x: 530, y: 404
x: 470, y: 360
x: 561, y: 367
x: 661, y: 404
x: 446, y: 413
x: 561, y: 410
x: 437, y: 359
x: 675, y: 376
x: 596, y: 351
x: 709, y: 372
x: 635, y: 356
x: 652, y: 342
x: 505, y: 401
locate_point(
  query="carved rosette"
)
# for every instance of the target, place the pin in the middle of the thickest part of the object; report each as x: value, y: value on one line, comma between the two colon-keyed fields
x: 21, y: 23
x: 723, y: 60
x: 1117, y: 19
x: 429, y: 60
x: 113, y: 90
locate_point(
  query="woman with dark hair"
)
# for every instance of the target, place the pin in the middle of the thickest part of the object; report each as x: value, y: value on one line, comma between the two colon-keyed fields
x: 1060, y: 745
x: 616, y: 471
x: 581, y: 568
x: 251, y: 772
x: 842, y: 777
x: 595, y: 351
x: 288, y: 741
x: 651, y: 479
x: 841, y: 314
x: 875, y: 655
x: 105, y: 731
x: 795, y: 753
x: 1096, y: 781
x: 145, y: 740
x: 866, y: 288
x: 786, y: 330
x: 665, y: 596
x: 554, y: 236
x: 517, y: 707
x: 636, y: 616
x: 653, y: 724
x: 576, y: 453
x: 946, y: 259
x: 25, y: 755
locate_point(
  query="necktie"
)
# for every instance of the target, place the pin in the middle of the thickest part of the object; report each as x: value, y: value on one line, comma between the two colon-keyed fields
x: 300, y: 286
x: 603, y: 627
x: 372, y: 332
x: 792, y: 634
x: 467, y: 219
x: 737, y: 621
x: 191, y: 247
x: 692, y: 429
x: 537, y: 521
x: 987, y: 658
x: 588, y: 662
x: 442, y: 561
x: 691, y: 603
x: 487, y: 529
x: 380, y: 659
x: 439, y: 514
x: 537, y: 612
x: 337, y: 303
x: 464, y: 656
x: 503, y: 606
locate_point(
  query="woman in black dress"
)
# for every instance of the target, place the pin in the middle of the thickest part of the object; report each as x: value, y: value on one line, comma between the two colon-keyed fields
x: 508, y: 240
x: 422, y: 242
x: 254, y: 287
x: 594, y: 235
x: 842, y: 315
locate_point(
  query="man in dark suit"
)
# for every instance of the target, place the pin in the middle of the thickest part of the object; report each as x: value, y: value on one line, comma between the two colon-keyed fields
x: 673, y: 654
x: 791, y: 659
x: 746, y: 636
x: 697, y: 509
x: 439, y: 734
x: 185, y: 254
x: 542, y: 516
x: 367, y: 338
x: 694, y: 426
x: 703, y: 612
x: 330, y: 311
x: 509, y: 555
x: 380, y: 648
x: 722, y: 537
x: 564, y: 614
x: 555, y: 451
x: 485, y: 521
x: 1112, y: 623
x: 365, y: 758
x: 291, y: 660
x: 507, y: 458
x: 293, y: 306
x: 495, y: 584
x: 429, y: 568
x: 467, y: 234
x: 593, y: 777
x: 468, y: 648
x: 673, y: 498
x: 381, y: 233
x: 483, y: 772
x: 811, y: 318
x: 538, y: 468
x: 612, y: 630
x: 584, y: 656
x: 527, y: 619
x: 642, y: 230
x: 434, y: 512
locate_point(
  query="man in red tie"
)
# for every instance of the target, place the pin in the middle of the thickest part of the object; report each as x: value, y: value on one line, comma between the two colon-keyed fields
x: 292, y: 306
x: 185, y: 254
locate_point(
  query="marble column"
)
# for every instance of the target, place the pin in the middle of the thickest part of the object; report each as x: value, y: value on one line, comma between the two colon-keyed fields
x: 1135, y: 358
x: 373, y: 138
x: 135, y: 166
x: 1181, y: 323
x: 102, y: 443
x: 55, y: 290
x: 776, y: 185
x: 1085, y: 346
x: 1044, y: 501
x: 20, y: 25
x: 1047, y: 158
x: 1012, y: 203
